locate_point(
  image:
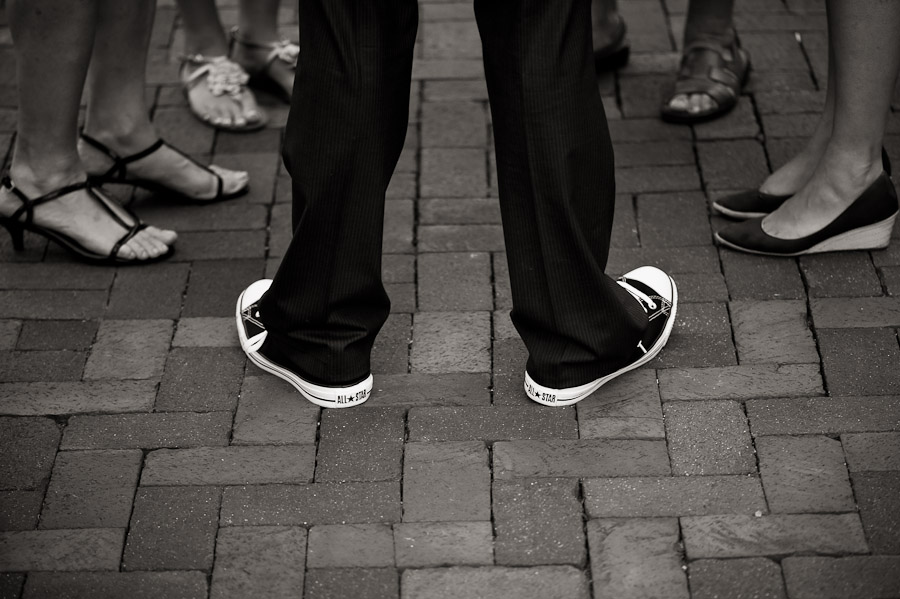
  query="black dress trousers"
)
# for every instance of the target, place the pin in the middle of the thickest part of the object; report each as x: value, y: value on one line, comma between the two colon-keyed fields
x: 344, y: 135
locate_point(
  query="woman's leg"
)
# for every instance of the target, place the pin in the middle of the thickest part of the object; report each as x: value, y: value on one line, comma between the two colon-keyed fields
x: 795, y: 173
x: 866, y: 59
x: 203, y: 35
x: 117, y: 114
x: 604, y: 21
x: 50, y: 82
x: 709, y: 21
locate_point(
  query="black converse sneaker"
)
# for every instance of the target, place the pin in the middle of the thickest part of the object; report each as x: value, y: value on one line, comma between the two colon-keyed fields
x: 252, y: 334
x: 655, y: 291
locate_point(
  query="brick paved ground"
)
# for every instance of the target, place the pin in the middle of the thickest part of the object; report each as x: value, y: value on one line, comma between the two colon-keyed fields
x: 759, y: 456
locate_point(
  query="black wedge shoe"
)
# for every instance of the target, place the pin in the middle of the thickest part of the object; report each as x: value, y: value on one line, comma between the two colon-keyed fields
x: 866, y: 224
x: 17, y: 227
x: 755, y: 204
x: 118, y: 173
x: 614, y: 55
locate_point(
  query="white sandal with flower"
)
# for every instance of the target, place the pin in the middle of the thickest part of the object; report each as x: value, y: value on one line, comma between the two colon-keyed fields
x: 226, y: 81
x: 280, y: 55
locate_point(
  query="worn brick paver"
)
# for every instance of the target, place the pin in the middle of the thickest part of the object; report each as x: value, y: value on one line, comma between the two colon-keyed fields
x: 758, y: 456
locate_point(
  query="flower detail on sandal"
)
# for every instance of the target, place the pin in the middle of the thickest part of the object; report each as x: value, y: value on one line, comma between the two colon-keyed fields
x: 223, y: 76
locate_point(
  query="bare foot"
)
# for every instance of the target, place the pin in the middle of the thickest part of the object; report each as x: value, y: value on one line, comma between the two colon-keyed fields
x: 837, y: 182
x: 164, y: 166
x: 220, y: 96
x: 81, y: 217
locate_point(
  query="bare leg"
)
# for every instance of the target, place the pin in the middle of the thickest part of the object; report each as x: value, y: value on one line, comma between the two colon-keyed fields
x: 604, y: 18
x: 50, y: 81
x: 204, y: 35
x: 259, y: 26
x: 866, y: 59
x: 795, y: 173
x: 117, y: 114
x: 707, y: 20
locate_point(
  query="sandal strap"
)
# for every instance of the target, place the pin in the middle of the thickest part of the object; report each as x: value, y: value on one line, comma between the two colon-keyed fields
x: 29, y: 204
x: 119, y: 170
x: 704, y: 70
x: 220, y: 184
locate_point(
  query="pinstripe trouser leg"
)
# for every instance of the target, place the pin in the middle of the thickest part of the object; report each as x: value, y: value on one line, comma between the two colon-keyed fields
x: 344, y: 135
x: 557, y: 190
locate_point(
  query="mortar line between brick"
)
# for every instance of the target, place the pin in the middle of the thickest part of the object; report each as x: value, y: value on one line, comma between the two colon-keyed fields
x: 415, y: 224
x: 587, y: 545
x: 811, y: 325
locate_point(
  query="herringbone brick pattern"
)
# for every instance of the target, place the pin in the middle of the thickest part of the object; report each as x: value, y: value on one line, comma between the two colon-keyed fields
x: 758, y: 456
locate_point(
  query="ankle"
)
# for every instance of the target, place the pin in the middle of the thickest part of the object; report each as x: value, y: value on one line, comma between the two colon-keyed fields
x: 122, y: 134
x: 38, y: 177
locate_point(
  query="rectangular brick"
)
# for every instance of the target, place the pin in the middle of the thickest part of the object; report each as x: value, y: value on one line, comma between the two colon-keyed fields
x: 453, y: 124
x: 653, y: 129
x: 804, y: 474
x: 206, y: 331
x: 363, y: 545
x: 840, y: 274
x: 129, y: 349
x: 147, y: 431
x: 49, y: 275
x: 220, y: 245
x: 627, y: 407
x: 672, y: 260
x: 398, y: 226
x: 172, y: 528
x: 41, y: 304
x: 57, y: 334
x: 546, y: 582
x: 453, y: 173
x: 27, y: 448
x: 423, y: 390
x: 709, y: 437
x: 878, y: 499
x: 824, y: 415
x: 454, y: 282
x: 726, y: 536
x: 872, y: 451
x: 459, y: 211
x: 360, y: 446
x: 460, y: 238
x: 433, y: 544
x: 732, y: 164
x: 360, y: 583
x: 451, y: 39
x: 390, y: 354
x: 840, y: 313
x: 773, y: 332
x: 261, y: 561
x: 701, y: 338
x: 270, y: 412
x: 672, y: 496
x: 320, y: 503
x: 636, y: 558
x: 451, y: 342
x: 27, y: 399
x: 579, y: 459
x: 201, y: 379
x: 754, y: 576
x: 841, y: 577
x: 860, y: 361
x: 739, y: 122
x: 740, y: 382
x: 32, y: 366
x: 538, y: 522
x: 671, y: 220
x: 91, y: 489
x: 154, y: 292
x: 19, y: 510
x: 134, y: 585
x: 61, y: 550
x: 446, y: 482
x: 10, y: 334
x: 491, y: 424
x: 751, y: 277
x: 645, y: 179
x: 230, y: 465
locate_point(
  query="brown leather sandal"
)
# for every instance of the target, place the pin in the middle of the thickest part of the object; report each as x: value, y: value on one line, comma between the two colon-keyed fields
x: 705, y: 70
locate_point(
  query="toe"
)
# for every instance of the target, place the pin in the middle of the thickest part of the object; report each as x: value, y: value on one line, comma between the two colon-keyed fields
x: 679, y: 102
x: 232, y: 181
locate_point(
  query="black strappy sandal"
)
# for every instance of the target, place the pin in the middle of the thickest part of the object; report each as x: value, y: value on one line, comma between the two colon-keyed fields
x: 118, y: 173
x: 17, y: 227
